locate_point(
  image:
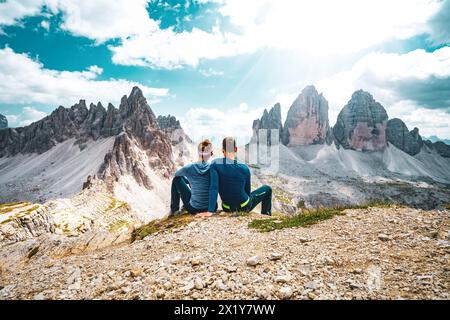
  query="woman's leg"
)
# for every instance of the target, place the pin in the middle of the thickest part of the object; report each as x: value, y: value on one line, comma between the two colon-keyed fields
x: 180, y: 189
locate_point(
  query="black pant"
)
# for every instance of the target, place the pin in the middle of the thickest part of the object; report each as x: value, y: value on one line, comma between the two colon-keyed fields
x: 181, y: 190
x: 261, y: 195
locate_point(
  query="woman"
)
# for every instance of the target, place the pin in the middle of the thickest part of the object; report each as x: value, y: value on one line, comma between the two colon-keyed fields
x: 196, y: 175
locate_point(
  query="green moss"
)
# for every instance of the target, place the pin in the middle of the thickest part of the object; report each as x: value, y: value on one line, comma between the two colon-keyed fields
x: 301, y: 204
x: 8, y: 207
x: 378, y: 204
x: 305, y: 219
x: 162, y: 225
x: 446, y: 206
x: 281, y: 196
x: 310, y: 217
x: 115, y: 204
x: 117, y: 225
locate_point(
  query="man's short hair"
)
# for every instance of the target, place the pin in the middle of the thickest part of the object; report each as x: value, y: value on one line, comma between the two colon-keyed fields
x: 229, y: 144
x: 205, y: 147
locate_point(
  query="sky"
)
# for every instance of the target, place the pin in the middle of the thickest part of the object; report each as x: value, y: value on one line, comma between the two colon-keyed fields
x: 216, y: 64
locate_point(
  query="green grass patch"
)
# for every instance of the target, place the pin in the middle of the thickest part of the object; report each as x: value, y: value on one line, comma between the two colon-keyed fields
x: 378, y: 204
x: 301, y: 204
x: 309, y: 217
x: 305, y: 219
x: 172, y: 222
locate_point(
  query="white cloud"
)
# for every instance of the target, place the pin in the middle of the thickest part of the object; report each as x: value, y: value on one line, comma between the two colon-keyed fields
x: 319, y: 26
x: 45, y: 25
x: 26, y: 81
x: 429, y: 122
x: 27, y: 116
x: 12, y: 11
x: 211, y: 72
x: 386, y: 75
x: 216, y: 124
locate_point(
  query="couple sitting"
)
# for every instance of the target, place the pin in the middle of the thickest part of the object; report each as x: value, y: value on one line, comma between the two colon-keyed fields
x: 199, y: 183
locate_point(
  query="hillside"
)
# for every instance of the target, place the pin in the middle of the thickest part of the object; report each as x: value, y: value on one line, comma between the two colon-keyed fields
x: 373, y: 253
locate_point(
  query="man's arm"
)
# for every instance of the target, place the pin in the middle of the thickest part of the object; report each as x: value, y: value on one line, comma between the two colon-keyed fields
x: 213, y: 189
x: 248, y: 183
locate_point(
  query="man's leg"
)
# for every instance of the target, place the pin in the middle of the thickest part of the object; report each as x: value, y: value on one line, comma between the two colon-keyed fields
x: 262, y: 195
x: 179, y: 190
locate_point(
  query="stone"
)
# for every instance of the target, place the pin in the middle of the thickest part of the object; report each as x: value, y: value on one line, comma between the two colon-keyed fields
x: 383, y: 237
x: 313, y: 285
x: 282, y: 278
x: 262, y: 294
x: 361, y: 124
x: 307, y: 120
x: 220, y: 285
x: 39, y: 296
x: 195, y: 261
x: 198, y: 283
x: 354, y: 285
x: 305, y: 269
x: 254, y: 260
x: 311, y: 296
x: 189, y: 286
x: 304, y: 240
x: 160, y: 293
x: 275, y: 256
x: 136, y: 272
x: 285, y: 293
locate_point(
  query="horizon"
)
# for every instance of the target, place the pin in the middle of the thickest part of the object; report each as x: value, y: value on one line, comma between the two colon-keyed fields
x: 211, y: 66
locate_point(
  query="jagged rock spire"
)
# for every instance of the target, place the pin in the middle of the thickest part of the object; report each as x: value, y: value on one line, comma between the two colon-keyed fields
x: 307, y: 120
x: 361, y: 124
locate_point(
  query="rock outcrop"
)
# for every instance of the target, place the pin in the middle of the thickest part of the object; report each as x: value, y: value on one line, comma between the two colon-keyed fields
x: 440, y: 147
x: 3, y: 122
x: 80, y: 123
x: 172, y: 127
x: 361, y: 124
x: 270, y: 120
x: 397, y: 133
x: 134, y: 125
x: 307, y: 120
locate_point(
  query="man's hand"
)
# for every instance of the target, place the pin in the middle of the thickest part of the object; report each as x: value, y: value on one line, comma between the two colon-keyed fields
x: 204, y: 215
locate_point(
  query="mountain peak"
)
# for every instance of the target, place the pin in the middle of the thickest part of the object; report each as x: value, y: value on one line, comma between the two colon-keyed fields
x: 307, y: 120
x: 361, y: 124
x: 136, y: 92
x: 310, y: 90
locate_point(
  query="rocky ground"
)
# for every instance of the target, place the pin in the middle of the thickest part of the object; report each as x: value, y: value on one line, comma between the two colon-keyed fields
x: 375, y: 253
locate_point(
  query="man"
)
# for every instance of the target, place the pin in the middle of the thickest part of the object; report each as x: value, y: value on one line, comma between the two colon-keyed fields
x: 232, y: 180
x: 197, y: 175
